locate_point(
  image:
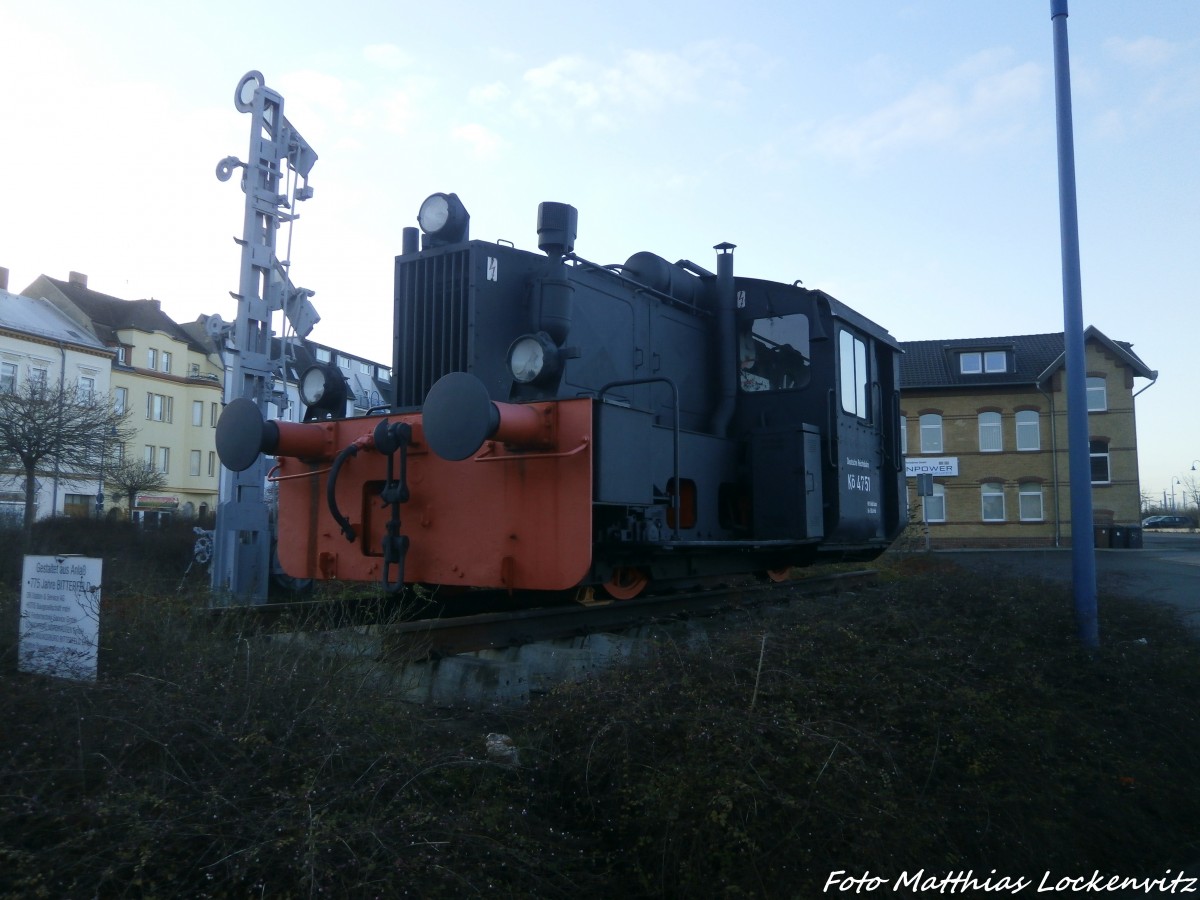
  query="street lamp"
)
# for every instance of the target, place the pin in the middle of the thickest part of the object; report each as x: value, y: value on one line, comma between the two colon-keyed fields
x: 1174, y: 481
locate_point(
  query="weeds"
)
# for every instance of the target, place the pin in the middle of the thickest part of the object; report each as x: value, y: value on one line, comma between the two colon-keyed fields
x: 935, y: 721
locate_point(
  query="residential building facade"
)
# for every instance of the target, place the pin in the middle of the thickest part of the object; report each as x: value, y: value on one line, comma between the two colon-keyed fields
x: 39, y: 343
x: 170, y: 383
x: 987, y: 419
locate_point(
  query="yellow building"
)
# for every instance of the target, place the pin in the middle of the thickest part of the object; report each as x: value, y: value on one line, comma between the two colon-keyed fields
x: 987, y: 419
x: 170, y: 382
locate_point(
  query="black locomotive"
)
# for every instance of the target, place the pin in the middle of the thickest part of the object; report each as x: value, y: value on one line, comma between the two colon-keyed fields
x: 561, y: 425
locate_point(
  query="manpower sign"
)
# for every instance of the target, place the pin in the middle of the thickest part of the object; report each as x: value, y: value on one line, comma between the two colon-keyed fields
x: 937, y: 466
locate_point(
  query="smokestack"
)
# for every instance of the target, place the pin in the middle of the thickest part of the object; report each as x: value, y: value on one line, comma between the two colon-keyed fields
x: 3, y: 279
x: 78, y: 278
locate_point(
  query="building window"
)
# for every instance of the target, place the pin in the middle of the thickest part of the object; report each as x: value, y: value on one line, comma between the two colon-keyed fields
x: 975, y: 362
x: 87, y: 388
x: 853, y: 354
x: 1029, y: 430
x: 194, y: 463
x: 149, y: 455
x: 120, y: 400
x: 322, y: 355
x: 8, y: 377
x: 970, y: 363
x: 38, y: 375
x: 364, y: 367
x: 159, y: 408
x: 991, y: 439
x: 212, y: 416
x: 992, y: 493
x: 903, y: 435
x: 166, y: 362
x: 1097, y: 395
x: 1029, y: 502
x: 931, y: 433
x: 194, y: 370
x: 935, y: 505
x: 212, y: 462
x: 197, y: 412
x: 1099, y: 454
x: 152, y: 358
x: 995, y: 361
x: 164, y: 459
x: 122, y: 354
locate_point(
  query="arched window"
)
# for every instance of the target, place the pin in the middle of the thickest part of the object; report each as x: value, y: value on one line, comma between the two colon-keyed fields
x: 992, y: 493
x: 1029, y: 430
x: 991, y: 439
x: 931, y: 433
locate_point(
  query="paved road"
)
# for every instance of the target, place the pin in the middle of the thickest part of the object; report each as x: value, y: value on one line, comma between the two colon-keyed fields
x: 1165, y: 569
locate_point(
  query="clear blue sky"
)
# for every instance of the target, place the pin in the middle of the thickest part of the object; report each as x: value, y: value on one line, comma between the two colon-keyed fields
x: 900, y: 155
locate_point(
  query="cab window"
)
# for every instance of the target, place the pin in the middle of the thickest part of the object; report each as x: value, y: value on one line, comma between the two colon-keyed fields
x: 773, y: 354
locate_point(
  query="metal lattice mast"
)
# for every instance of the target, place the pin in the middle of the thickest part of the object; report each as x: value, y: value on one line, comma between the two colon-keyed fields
x: 242, y: 544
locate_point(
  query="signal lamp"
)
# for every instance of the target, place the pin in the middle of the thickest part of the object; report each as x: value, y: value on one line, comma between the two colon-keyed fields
x: 323, y: 390
x: 533, y: 357
x: 443, y: 219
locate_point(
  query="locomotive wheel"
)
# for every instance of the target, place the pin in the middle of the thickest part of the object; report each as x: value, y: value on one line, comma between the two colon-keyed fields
x: 626, y: 583
x: 780, y: 575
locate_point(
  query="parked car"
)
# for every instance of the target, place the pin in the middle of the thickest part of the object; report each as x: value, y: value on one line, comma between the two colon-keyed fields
x: 1169, y: 522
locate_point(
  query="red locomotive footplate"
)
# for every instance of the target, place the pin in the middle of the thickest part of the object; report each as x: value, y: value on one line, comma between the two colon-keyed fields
x: 502, y: 518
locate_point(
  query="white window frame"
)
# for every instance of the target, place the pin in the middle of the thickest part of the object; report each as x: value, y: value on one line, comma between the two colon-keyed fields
x: 166, y: 362
x: 1027, y: 492
x: 855, y: 379
x: 991, y: 490
x: 991, y: 433
x: 935, y: 505
x: 164, y: 460
x: 8, y: 377
x: 995, y: 361
x: 120, y: 400
x: 1029, y: 432
x: 904, y: 435
x: 970, y: 363
x: 198, y: 413
x: 151, y: 358
x: 1097, y: 394
x: 928, y: 430
x: 194, y: 463
x: 1095, y: 454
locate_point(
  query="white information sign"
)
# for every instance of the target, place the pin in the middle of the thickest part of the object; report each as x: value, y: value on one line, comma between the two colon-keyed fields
x: 60, y: 616
x: 937, y: 466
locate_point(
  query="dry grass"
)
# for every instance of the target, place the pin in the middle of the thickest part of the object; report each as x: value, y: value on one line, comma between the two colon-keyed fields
x: 931, y: 721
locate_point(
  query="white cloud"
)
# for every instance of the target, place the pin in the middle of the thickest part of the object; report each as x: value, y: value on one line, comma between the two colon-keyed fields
x: 386, y: 56
x: 485, y: 144
x: 1145, y: 52
x: 978, y: 102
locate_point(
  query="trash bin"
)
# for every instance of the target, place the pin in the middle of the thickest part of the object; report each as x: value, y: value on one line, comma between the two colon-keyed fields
x: 1118, y: 537
x: 1102, y: 535
x: 1135, y: 537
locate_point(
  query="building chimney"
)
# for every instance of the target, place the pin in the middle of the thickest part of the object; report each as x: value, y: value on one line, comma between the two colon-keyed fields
x: 3, y: 279
x: 78, y: 278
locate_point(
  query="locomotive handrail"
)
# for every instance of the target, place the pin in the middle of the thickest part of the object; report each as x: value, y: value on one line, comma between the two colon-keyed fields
x: 674, y: 433
x: 561, y: 454
x: 832, y: 429
x: 273, y: 478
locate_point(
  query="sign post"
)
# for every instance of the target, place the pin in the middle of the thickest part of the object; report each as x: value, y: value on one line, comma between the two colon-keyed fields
x: 60, y: 616
x: 925, y: 489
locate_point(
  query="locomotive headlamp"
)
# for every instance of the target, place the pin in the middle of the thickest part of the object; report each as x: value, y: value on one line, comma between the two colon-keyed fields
x: 533, y: 356
x: 323, y: 391
x: 443, y: 219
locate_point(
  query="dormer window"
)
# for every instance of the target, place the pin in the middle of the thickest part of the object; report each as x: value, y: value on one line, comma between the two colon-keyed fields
x: 976, y: 362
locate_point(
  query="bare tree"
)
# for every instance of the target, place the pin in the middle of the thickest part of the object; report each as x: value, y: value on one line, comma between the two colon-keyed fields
x: 132, y: 477
x: 56, y: 429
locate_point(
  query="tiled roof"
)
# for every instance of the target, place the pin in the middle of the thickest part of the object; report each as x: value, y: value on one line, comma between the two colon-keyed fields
x: 110, y: 314
x: 935, y: 364
x: 38, y: 318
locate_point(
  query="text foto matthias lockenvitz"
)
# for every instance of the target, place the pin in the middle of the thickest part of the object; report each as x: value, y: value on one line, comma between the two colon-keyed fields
x: 968, y: 882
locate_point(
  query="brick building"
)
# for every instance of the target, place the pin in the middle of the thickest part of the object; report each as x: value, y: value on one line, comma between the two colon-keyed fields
x: 987, y: 418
